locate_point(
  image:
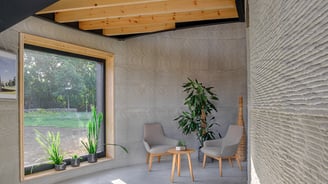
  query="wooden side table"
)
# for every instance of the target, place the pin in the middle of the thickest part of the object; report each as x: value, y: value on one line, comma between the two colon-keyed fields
x: 177, y: 159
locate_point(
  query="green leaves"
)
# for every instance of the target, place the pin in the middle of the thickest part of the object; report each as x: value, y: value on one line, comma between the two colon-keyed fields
x: 93, y: 131
x: 48, y: 75
x: 50, y: 143
x: 94, y: 125
x: 122, y: 147
x: 198, y: 98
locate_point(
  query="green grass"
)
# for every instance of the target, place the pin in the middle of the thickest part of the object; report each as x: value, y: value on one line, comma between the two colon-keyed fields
x: 57, y: 119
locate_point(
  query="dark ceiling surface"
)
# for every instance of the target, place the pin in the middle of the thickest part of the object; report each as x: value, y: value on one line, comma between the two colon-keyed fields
x: 13, y: 11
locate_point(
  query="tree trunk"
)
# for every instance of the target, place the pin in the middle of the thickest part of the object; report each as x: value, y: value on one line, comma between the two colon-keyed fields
x: 203, y: 122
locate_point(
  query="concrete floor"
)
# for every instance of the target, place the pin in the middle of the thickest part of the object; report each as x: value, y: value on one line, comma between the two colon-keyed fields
x: 160, y: 174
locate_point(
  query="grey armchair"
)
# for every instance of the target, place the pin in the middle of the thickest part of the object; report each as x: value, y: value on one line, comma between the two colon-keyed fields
x: 224, y: 148
x: 156, y: 143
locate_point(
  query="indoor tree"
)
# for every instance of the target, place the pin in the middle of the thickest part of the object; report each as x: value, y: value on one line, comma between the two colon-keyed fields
x: 200, y: 105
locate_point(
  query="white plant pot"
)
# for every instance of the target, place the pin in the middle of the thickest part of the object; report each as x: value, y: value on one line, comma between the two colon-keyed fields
x: 180, y: 148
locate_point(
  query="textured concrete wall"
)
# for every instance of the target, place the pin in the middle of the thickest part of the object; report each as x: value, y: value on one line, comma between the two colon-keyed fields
x: 288, y: 91
x: 149, y: 72
x: 157, y: 65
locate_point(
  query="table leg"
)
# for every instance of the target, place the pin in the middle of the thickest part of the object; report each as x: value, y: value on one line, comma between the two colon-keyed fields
x: 173, y: 166
x: 190, y: 167
x: 179, y: 163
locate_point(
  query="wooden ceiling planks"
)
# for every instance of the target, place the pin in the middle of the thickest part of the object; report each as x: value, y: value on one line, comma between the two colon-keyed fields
x: 139, y: 29
x: 125, y: 17
x: 73, y: 5
x: 153, y: 19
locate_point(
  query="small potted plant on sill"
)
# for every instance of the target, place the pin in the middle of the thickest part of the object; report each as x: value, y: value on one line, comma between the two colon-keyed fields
x: 75, y: 160
x: 51, y: 145
x: 181, y: 146
x: 93, y: 129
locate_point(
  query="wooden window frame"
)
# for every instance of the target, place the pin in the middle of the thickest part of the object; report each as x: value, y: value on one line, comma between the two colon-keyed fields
x: 75, y: 49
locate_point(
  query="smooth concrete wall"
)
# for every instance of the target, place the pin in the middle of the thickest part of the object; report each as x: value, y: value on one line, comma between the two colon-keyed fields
x: 288, y: 114
x: 149, y: 72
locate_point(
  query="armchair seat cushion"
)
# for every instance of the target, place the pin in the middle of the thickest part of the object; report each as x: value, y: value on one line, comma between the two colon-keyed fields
x: 156, y: 143
x: 225, y: 147
x: 155, y: 149
x: 211, y: 151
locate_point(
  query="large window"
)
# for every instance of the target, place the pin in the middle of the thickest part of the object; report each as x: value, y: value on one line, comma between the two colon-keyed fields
x: 60, y: 86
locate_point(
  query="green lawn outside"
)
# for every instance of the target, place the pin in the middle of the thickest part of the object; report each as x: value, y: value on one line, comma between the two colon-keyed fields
x: 57, y: 119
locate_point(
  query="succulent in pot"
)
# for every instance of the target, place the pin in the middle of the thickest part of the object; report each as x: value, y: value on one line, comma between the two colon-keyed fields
x: 75, y: 161
x: 181, y: 146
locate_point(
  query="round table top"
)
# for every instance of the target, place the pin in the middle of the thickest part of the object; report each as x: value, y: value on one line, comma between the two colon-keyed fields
x: 174, y: 151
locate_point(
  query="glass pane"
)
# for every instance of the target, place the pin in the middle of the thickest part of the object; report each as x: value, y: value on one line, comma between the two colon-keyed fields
x: 58, y: 93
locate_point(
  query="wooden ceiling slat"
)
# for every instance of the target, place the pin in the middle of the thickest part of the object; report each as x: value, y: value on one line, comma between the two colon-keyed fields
x: 153, y: 19
x: 139, y: 29
x: 73, y: 5
x: 169, y: 6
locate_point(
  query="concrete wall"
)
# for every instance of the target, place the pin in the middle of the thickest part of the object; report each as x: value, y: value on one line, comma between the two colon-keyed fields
x: 149, y: 72
x: 157, y: 65
x: 288, y: 91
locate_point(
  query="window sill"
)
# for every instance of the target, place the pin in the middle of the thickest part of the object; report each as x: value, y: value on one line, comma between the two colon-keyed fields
x: 68, y: 168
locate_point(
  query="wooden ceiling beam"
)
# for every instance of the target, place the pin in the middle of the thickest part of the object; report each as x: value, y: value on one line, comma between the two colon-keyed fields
x: 153, y: 19
x: 139, y: 29
x: 73, y: 5
x: 169, y: 6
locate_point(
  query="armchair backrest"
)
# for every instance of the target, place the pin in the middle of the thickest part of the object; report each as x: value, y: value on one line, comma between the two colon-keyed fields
x: 153, y: 133
x: 231, y: 140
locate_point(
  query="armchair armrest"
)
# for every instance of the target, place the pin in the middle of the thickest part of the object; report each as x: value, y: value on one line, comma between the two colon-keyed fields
x: 213, y: 143
x: 147, y: 146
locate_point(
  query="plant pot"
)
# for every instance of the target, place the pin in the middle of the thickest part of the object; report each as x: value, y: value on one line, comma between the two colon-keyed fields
x: 180, y: 148
x: 201, y: 157
x: 92, y: 158
x: 75, y: 162
x: 60, y: 167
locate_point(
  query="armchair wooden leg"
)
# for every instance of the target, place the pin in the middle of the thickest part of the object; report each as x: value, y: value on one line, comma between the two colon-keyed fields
x: 230, y: 161
x: 150, y: 163
x: 220, y: 165
x: 147, y: 158
x: 159, y: 159
x: 238, y: 162
x: 204, y: 160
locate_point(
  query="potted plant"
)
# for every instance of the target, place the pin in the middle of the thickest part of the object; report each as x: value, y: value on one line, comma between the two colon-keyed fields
x: 200, y: 105
x: 75, y: 160
x: 51, y: 145
x: 181, y: 146
x: 93, y: 129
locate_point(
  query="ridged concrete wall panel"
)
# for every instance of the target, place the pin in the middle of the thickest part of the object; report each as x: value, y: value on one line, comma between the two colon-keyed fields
x: 288, y: 43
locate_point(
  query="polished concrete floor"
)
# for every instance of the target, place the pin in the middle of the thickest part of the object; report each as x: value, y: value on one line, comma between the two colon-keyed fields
x: 160, y: 174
